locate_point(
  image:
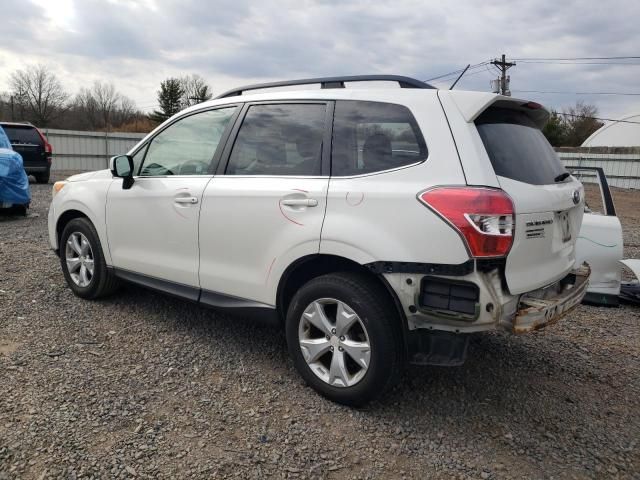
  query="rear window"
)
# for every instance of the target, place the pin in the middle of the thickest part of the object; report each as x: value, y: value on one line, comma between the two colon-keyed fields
x: 517, y: 148
x: 371, y: 137
x: 22, y: 135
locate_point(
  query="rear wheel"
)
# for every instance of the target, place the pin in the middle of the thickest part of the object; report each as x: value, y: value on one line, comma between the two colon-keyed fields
x: 43, y: 177
x: 82, y: 261
x: 344, y: 337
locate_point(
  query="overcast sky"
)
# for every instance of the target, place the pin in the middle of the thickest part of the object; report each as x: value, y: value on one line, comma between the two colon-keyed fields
x: 137, y: 44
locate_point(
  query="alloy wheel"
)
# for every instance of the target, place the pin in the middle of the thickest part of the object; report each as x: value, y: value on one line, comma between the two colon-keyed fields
x: 79, y: 259
x: 334, y: 342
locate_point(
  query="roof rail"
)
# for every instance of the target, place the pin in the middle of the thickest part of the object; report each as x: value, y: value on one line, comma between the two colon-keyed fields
x: 331, y: 82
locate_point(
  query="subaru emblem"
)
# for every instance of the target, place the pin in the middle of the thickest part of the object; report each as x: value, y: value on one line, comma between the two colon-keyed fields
x: 576, y: 197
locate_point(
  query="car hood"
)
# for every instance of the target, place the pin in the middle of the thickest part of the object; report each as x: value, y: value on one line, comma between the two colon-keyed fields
x: 80, y: 177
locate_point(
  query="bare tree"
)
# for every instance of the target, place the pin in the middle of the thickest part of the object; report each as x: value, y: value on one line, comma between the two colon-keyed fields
x: 581, y: 122
x: 40, y: 92
x: 87, y: 106
x: 107, y: 100
x: 125, y: 111
x: 103, y: 107
x: 195, y: 90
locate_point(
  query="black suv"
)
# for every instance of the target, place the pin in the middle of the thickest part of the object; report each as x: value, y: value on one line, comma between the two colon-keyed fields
x: 31, y: 143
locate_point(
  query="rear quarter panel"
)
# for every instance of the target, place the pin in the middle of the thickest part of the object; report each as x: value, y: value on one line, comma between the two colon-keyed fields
x: 377, y: 217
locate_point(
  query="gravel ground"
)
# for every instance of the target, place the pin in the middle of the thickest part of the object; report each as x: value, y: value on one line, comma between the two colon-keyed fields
x: 141, y: 385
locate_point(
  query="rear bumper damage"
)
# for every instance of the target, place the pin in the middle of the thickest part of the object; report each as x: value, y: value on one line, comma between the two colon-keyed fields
x: 439, y: 337
x: 546, y: 306
x: 443, y: 305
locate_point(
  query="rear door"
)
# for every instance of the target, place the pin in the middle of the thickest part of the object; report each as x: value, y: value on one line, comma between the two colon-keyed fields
x: 266, y: 208
x: 27, y: 142
x: 549, y: 203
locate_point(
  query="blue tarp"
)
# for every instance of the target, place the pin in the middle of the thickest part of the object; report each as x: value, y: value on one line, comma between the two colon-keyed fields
x: 14, y: 184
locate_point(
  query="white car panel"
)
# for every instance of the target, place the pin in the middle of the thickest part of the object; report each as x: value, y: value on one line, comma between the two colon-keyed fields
x: 475, y: 161
x: 600, y: 245
x: 356, y: 207
x: 540, y: 257
x: 85, y: 193
x: 633, y: 265
x: 153, y: 226
x: 254, y: 227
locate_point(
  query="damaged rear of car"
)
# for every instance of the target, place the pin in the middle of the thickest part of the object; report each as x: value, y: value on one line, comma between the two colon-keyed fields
x: 519, y: 217
x: 14, y: 184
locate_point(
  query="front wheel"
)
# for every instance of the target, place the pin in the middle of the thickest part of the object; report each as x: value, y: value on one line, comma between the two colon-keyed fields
x: 344, y: 337
x: 82, y: 261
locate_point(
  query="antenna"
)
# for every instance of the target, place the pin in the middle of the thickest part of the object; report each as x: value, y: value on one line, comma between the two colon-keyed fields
x: 460, y: 76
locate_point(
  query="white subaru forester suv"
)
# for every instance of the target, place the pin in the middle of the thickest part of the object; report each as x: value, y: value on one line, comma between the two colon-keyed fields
x: 377, y: 226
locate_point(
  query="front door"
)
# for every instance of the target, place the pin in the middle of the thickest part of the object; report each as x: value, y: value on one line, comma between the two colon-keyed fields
x: 152, y: 228
x: 267, y: 209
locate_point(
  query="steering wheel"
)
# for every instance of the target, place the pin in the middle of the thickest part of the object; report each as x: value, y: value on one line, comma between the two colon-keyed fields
x: 193, y: 167
x: 155, y: 169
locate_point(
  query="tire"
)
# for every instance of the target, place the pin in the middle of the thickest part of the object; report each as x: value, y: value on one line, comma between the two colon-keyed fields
x: 43, y: 177
x: 90, y: 285
x: 377, y: 323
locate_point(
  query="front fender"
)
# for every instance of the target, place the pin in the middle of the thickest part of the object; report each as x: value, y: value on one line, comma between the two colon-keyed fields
x: 88, y: 198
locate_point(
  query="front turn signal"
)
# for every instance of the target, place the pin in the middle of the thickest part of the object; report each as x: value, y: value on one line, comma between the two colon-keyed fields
x: 57, y: 187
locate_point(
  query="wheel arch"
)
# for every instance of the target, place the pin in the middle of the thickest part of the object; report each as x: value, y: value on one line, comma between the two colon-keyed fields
x: 64, y: 219
x: 77, y: 211
x: 311, y: 266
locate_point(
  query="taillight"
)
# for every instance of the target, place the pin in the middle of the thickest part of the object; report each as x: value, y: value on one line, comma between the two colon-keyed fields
x: 47, y: 146
x: 483, y: 216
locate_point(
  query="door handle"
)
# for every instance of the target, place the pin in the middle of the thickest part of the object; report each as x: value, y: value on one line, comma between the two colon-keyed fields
x: 190, y: 200
x: 300, y: 202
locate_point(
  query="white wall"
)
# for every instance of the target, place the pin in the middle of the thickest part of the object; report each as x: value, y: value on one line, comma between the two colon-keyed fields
x: 617, y: 134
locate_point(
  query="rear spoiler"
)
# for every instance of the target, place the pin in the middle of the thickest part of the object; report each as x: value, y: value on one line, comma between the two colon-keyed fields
x: 472, y: 104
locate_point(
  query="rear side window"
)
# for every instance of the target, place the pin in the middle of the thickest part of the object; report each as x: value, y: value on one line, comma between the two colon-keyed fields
x: 281, y: 139
x: 22, y: 135
x: 517, y: 148
x: 371, y: 137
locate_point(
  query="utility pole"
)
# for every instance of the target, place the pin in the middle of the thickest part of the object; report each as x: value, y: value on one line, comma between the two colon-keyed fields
x: 503, y: 66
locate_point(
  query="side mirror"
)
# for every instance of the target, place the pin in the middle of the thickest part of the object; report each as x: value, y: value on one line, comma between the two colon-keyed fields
x: 122, y: 167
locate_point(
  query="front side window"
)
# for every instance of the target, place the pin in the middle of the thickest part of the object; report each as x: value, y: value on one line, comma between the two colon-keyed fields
x: 138, y: 157
x: 371, y: 137
x: 281, y: 139
x: 187, y: 146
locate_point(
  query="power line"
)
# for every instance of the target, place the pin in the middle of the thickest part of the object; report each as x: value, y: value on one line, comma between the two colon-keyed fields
x: 456, y: 72
x: 579, y: 93
x: 465, y: 75
x: 596, y: 118
x: 578, y: 58
x: 575, y: 63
